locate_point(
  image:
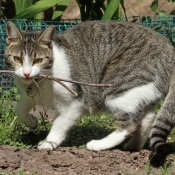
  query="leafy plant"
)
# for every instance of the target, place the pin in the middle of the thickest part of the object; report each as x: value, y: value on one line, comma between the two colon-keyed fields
x: 30, y: 9
x: 100, y: 9
x: 89, y: 9
x: 35, y: 9
x: 155, y: 7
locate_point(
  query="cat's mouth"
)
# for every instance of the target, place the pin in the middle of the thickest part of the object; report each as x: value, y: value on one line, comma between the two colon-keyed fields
x: 27, y: 80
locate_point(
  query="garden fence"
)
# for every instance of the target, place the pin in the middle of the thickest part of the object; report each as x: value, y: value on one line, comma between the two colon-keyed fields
x: 163, y: 24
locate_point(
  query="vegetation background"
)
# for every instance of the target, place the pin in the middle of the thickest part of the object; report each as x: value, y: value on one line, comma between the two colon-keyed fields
x: 14, y: 133
x: 87, y: 9
x: 11, y: 132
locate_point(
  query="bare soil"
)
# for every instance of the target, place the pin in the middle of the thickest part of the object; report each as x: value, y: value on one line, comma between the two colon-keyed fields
x: 76, y: 161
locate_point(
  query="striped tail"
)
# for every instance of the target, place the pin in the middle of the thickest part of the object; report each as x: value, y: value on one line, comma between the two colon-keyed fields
x: 164, y: 123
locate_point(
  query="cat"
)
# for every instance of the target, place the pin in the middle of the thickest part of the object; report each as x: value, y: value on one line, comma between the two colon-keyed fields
x: 137, y: 61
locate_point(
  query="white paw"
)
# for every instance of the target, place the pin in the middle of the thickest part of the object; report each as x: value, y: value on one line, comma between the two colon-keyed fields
x: 94, y: 145
x: 46, y: 145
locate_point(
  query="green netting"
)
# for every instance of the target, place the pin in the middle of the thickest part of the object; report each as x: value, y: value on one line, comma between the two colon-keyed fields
x: 163, y: 24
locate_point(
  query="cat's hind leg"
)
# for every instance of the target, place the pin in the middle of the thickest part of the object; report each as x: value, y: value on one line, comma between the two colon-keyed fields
x: 164, y: 123
x: 113, y: 139
x: 118, y: 136
x: 139, y: 138
x: 128, y: 110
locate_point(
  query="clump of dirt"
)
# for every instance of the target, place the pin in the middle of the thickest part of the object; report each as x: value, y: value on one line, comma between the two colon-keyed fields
x: 76, y: 161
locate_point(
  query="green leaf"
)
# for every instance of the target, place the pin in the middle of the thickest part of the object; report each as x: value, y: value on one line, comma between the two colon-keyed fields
x: 162, y: 13
x: 38, y: 16
x: 21, y: 5
x: 123, y: 6
x: 36, y: 8
x: 154, y: 5
x: 110, y: 10
x: 157, y: 28
x: 60, y: 8
x: 173, y: 12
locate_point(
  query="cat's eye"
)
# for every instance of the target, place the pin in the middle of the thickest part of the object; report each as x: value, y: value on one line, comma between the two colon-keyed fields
x: 38, y: 61
x: 17, y: 59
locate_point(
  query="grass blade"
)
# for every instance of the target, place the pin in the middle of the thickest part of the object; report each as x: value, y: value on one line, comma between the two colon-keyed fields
x: 21, y: 5
x: 60, y: 8
x: 36, y: 8
x: 110, y: 10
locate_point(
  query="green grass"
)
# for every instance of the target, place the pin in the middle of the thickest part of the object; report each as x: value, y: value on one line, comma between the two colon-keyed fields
x: 89, y: 127
x: 7, y: 117
x: 12, y: 132
x: 21, y: 172
x: 15, y: 133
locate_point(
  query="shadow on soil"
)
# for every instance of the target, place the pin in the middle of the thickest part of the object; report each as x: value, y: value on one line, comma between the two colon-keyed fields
x: 78, y: 136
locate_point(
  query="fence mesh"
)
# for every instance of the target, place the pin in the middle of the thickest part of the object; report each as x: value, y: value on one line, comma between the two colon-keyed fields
x: 162, y: 24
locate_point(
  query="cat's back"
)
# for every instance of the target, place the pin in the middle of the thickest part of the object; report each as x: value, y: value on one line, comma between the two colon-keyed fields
x: 101, y: 42
x: 97, y: 30
x: 107, y: 37
x: 123, y: 54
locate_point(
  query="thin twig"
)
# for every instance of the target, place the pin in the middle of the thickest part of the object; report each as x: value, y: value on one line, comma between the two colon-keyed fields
x: 58, y: 80
x: 72, y: 81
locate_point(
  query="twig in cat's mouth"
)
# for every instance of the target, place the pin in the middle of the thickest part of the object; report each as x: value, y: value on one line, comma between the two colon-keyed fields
x: 65, y: 80
x: 72, y: 81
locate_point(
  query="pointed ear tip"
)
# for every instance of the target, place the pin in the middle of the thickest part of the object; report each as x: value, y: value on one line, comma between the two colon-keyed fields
x: 9, y: 23
x: 52, y: 27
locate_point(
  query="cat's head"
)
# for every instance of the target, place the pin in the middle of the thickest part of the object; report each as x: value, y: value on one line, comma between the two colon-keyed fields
x: 28, y: 53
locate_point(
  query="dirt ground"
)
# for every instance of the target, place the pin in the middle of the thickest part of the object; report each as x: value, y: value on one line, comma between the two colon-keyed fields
x: 75, y: 161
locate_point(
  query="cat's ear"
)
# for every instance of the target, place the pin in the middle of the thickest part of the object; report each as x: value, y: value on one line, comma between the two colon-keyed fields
x: 13, y: 33
x: 48, y: 34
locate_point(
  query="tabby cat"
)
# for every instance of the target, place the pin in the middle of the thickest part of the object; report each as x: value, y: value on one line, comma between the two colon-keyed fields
x: 137, y: 61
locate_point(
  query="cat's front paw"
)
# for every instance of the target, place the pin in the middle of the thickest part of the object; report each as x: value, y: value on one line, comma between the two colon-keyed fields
x: 46, y: 145
x: 94, y: 145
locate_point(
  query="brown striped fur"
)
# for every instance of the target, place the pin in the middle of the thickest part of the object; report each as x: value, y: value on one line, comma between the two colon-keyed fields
x: 123, y: 54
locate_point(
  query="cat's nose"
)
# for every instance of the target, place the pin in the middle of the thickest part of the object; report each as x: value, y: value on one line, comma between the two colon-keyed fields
x: 26, y: 75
